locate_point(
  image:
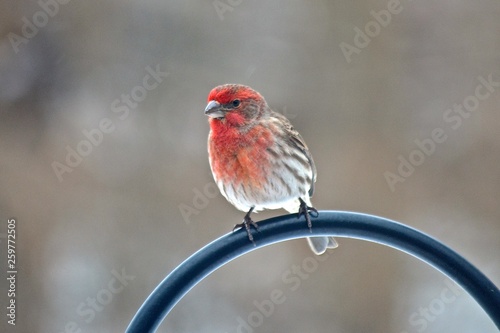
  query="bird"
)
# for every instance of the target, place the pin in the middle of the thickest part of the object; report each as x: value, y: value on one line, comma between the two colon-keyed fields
x: 258, y: 160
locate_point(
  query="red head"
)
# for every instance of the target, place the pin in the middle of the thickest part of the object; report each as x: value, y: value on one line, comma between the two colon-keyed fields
x: 234, y: 105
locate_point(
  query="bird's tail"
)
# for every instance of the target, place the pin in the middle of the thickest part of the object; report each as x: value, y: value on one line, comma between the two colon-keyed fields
x: 318, y: 245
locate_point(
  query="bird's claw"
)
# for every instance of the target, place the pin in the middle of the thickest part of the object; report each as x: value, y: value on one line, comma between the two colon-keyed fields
x: 248, y: 223
x: 307, y: 212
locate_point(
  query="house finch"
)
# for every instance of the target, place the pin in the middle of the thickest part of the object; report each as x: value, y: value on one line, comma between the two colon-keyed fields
x: 258, y: 160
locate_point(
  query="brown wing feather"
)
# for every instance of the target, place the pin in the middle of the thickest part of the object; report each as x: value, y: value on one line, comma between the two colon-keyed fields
x: 297, y: 141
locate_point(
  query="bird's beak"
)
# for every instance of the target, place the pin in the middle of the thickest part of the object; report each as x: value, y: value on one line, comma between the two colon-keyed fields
x: 214, y: 110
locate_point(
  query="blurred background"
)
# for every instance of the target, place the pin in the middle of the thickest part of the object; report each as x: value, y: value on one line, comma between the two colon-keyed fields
x: 104, y: 161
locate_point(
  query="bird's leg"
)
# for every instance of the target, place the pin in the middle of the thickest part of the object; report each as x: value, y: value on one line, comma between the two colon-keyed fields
x: 247, y: 223
x: 307, y: 212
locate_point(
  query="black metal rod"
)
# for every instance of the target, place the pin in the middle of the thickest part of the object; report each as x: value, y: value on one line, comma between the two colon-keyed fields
x: 329, y: 223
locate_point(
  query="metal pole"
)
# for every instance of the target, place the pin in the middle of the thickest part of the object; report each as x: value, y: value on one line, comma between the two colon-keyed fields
x: 329, y: 223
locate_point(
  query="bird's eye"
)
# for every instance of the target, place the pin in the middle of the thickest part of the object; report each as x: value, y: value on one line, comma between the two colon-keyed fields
x: 235, y: 103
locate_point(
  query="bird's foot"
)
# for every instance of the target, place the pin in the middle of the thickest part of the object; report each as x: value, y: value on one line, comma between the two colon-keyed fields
x: 307, y: 212
x: 248, y: 223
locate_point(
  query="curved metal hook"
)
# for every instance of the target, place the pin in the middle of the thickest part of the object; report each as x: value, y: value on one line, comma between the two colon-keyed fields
x: 329, y: 223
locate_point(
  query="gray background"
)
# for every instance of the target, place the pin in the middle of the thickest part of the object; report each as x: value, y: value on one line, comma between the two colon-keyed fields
x: 120, y: 209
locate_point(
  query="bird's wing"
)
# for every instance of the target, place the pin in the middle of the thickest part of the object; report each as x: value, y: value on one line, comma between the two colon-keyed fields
x: 297, y: 141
